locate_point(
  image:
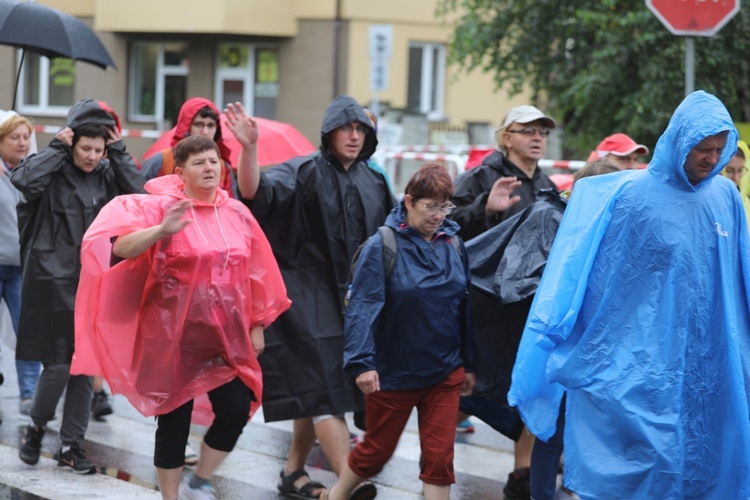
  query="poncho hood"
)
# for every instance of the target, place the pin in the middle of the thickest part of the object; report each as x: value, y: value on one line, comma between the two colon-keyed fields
x: 172, y: 185
x: 343, y: 110
x: 89, y: 111
x: 185, y: 118
x: 700, y: 115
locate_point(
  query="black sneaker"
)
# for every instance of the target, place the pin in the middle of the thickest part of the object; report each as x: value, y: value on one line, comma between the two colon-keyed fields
x: 31, y: 444
x: 76, y: 460
x: 518, y: 487
x: 100, y: 406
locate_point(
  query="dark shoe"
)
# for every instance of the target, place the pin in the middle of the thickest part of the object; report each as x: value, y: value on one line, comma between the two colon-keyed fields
x: 364, y: 491
x: 100, y: 406
x: 286, y: 485
x: 518, y: 487
x: 76, y: 460
x: 31, y: 444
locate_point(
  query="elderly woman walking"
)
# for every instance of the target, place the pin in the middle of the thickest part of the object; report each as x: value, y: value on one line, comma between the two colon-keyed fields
x: 408, y: 338
x: 183, y: 315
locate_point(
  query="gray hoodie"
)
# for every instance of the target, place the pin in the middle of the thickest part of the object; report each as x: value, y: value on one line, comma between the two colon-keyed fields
x: 10, y: 251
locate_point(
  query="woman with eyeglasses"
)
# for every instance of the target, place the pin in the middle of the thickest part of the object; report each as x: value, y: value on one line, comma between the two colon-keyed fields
x: 736, y: 168
x: 408, y: 339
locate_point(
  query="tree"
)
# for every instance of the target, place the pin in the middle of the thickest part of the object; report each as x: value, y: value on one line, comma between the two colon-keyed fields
x: 599, y: 66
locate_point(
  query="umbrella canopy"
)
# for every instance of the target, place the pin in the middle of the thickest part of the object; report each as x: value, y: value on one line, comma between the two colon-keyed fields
x: 51, y: 33
x: 277, y: 142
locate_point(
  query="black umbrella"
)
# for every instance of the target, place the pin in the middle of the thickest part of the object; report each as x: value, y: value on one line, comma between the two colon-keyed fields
x: 49, y: 32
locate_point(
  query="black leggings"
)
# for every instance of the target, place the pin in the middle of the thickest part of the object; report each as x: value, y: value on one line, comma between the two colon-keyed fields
x: 231, y: 405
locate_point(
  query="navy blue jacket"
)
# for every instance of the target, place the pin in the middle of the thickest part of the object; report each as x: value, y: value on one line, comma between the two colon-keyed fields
x: 416, y: 328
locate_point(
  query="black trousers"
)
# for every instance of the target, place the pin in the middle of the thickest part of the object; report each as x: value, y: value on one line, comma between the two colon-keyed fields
x: 231, y: 405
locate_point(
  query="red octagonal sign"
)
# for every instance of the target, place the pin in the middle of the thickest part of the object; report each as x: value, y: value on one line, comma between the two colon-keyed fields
x: 694, y: 17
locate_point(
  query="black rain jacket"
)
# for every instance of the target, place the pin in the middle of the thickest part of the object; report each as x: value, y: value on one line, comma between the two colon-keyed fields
x: 61, y: 201
x: 474, y: 185
x: 315, y: 215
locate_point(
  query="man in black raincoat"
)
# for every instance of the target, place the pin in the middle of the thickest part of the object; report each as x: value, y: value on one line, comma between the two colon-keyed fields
x: 316, y: 211
x: 506, y: 183
x: 64, y: 187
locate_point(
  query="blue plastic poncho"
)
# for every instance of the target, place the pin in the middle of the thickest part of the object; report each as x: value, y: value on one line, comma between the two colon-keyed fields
x: 642, y: 316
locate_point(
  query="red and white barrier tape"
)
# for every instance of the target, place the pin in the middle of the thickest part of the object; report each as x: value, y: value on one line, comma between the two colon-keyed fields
x: 146, y: 134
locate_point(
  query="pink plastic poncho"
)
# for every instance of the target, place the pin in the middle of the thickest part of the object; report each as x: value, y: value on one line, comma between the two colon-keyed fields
x: 173, y: 323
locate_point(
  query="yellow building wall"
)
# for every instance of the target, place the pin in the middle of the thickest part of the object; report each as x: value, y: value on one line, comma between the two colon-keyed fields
x: 78, y: 8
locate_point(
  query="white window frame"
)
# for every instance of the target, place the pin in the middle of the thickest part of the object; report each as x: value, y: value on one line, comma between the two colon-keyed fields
x: 427, y: 83
x: 162, y: 71
x: 43, y: 108
x: 247, y: 75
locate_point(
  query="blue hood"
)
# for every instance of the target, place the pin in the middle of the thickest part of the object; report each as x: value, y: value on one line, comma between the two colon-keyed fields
x: 699, y: 116
x: 397, y: 220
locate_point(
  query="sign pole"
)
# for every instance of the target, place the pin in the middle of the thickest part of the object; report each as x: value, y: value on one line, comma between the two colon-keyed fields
x: 689, y: 65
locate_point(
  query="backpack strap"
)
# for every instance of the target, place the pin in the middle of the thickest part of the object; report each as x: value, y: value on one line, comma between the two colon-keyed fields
x: 390, y: 249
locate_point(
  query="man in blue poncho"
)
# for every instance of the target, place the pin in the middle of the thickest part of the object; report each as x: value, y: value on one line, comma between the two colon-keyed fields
x: 642, y: 317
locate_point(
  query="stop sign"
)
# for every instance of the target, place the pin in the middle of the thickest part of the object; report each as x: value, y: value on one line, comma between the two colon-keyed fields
x: 694, y: 17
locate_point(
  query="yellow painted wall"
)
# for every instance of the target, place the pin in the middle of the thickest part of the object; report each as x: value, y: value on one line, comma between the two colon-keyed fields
x: 178, y: 16
x: 78, y: 8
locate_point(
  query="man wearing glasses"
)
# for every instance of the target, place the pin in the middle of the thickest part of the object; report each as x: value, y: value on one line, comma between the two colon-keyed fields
x: 508, y: 179
x: 504, y: 184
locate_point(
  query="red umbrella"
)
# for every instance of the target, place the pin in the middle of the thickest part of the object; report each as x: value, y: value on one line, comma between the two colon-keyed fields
x: 277, y: 142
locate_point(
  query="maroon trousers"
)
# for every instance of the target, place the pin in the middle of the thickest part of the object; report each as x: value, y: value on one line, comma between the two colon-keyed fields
x: 386, y: 415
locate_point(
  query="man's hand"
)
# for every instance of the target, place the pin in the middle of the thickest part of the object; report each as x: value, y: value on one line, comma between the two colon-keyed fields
x: 499, y: 199
x: 468, y: 387
x: 368, y: 382
x: 244, y: 128
x: 258, y: 340
x: 174, y: 221
x: 66, y: 136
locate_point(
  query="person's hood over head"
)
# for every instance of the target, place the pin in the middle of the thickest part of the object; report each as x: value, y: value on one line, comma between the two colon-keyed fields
x: 89, y: 111
x: 185, y: 119
x: 172, y: 185
x: 343, y: 110
x: 700, y: 115
x: 106, y: 107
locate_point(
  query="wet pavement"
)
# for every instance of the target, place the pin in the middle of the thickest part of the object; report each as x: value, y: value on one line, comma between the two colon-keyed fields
x: 123, y: 448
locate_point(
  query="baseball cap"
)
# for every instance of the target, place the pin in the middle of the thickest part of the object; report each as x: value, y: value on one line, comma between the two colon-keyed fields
x: 619, y: 145
x: 526, y: 114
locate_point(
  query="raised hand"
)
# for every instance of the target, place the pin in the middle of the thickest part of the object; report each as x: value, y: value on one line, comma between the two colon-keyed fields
x: 499, y: 199
x: 66, y: 136
x: 114, y: 135
x: 244, y: 127
x: 174, y: 219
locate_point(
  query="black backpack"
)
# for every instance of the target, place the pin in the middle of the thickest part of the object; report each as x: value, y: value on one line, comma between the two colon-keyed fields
x: 390, y: 250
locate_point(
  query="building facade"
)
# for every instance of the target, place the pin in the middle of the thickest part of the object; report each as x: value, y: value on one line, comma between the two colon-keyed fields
x: 284, y: 59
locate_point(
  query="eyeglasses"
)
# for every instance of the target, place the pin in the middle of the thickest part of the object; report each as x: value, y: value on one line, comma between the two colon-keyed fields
x: 443, y: 209
x: 732, y: 171
x: 349, y: 128
x: 530, y: 131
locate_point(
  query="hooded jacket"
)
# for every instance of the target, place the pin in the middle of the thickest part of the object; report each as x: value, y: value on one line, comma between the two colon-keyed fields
x: 415, y: 327
x: 162, y: 163
x: 316, y: 214
x: 190, y: 299
x: 61, y: 201
x: 643, y: 316
x: 474, y: 186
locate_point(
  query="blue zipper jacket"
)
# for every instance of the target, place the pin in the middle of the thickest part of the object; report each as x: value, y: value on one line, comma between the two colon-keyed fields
x: 416, y: 328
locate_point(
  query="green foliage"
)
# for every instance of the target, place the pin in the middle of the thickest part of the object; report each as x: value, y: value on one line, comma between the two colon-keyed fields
x: 598, y: 66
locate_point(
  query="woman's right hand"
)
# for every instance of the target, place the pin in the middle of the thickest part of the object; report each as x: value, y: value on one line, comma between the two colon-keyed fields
x: 174, y: 221
x: 368, y: 382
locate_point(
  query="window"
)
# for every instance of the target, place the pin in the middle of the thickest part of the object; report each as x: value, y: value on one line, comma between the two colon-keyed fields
x: 426, y: 85
x: 46, y: 86
x: 249, y: 74
x: 158, y: 81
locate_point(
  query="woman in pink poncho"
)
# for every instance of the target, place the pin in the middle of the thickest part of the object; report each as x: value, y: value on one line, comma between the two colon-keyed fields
x: 181, y: 313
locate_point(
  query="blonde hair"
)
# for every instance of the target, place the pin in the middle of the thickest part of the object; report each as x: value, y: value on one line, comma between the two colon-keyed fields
x: 12, y: 123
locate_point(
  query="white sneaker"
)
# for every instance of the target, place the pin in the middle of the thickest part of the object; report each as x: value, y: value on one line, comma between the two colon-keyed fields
x: 185, y: 492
